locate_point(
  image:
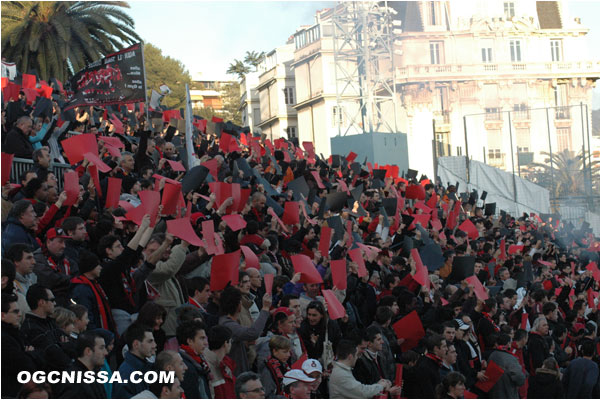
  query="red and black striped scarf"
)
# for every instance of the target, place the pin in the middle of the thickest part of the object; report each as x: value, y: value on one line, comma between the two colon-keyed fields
x: 275, y: 366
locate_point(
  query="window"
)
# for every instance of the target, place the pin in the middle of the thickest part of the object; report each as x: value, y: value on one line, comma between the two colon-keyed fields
x: 556, y: 50
x: 521, y: 111
x: 493, y: 113
x: 337, y: 116
x: 289, y: 96
x: 434, y: 13
x: 509, y: 9
x: 516, y: 51
x: 494, y: 154
x: 436, y: 53
x: 564, y: 136
x: 291, y: 132
x: 523, y: 149
x: 487, y: 55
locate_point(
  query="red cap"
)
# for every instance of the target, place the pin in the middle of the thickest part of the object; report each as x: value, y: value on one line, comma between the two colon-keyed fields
x: 284, y: 310
x: 56, y: 233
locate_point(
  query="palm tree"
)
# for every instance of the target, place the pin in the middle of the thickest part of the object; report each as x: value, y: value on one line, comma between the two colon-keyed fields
x: 254, y: 58
x: 238, y: 68
x: 565, y: 176
x: 59, y: 38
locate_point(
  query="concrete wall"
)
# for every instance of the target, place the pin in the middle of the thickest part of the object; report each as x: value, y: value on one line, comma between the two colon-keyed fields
x: 383, y: 148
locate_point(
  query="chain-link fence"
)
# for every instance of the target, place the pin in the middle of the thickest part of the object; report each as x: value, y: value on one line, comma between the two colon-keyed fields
x: 548, y: 146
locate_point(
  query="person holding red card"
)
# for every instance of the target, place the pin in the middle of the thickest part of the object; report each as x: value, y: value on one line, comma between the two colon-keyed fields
x: 513, y: 377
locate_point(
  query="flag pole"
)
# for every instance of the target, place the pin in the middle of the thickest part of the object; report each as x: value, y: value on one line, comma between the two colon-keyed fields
x: 146, y: 105
x: 189, y: 127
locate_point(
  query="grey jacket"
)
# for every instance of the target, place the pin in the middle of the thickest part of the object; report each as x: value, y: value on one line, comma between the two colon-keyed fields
x: 241, y: 334
x: 511, y: 380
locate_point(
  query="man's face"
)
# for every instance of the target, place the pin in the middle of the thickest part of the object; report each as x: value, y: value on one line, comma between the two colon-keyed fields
x: 441, y: 350
x: 282, y: 355
x: 169, y: 149
x: 28, y: 218
x: 127, y: 163
x: 543, y: 328
x: 179, y: 366
x: 253, y: 389
x: 48, y: 305
x: 25, y: 266
x: 449, y: 334
x: 553, y: 315
x: 79, y: 234
x: 26, y: 126
x: 259, y: 203
x: 95, y: 273
x: 115, y: 250
x: 42, y: 193
x: 56, y: 246
x: 175, y: 392
x: 44, y: 159
x: 312, y: 289
x: 203, y: 296
x: 200, y: 342
x: 506, y: 303
x: 148, y: 346
x: 51, y: 180
x: 255, y: 278
x: 300, y: 390
x: 504, y: 275
x: 13, y: 315
x: 244, y: 285
x: 99, y: 353
x: 376, y: 345
x: 451, y: 356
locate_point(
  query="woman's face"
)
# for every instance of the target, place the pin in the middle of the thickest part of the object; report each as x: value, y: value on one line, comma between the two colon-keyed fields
x: 69, y: 328
x: 313, y: 316
x: 287, y: 326
x: 82, y: 324
x: 158, y: 322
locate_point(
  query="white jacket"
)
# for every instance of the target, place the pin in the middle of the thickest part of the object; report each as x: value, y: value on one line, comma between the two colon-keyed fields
x: 343, y: 385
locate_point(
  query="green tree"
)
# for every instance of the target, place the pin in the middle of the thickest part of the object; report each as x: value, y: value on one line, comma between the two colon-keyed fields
x: 238, y: 68
x: 162, y: 69
x: 254, y: 58
x: 231, y: 102
x: 59, y: 38
x: 565, y: 176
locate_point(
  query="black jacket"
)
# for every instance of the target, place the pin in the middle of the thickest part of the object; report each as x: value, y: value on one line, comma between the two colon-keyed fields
x: 14, y: 360
x: 366, y: 370
x: 49, y: 340
x: 92, y: 390
x: 18, y: 144
x: 111, y: 279
x: 538, y: 351
x: 427, y: 373
x: 196, y: 378
x: 546, y: 384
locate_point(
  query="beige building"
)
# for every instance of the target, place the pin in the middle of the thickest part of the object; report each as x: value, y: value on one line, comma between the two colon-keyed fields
x: 319, y: 117
x: 483, y: 58
x: 207, y: 93
x: 249, y: 102
x: 277, y: 94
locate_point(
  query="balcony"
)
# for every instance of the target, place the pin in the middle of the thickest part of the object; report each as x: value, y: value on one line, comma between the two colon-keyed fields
x: 493, y: 114
x: 562, y: 113
x: 543, y: 70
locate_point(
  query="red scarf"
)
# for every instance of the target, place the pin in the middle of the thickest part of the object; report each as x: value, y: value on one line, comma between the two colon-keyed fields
x: 106, y: 317
x: 65, y: 264
x: 275, y: 367
x: 196, y: 357
x: 434, y: 358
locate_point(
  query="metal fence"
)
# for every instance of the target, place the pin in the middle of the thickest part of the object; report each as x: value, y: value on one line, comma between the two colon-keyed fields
x: 22, y: 165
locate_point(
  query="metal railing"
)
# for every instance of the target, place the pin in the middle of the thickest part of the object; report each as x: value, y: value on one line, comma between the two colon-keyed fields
x: 21, y: 165
x: 562, y: 113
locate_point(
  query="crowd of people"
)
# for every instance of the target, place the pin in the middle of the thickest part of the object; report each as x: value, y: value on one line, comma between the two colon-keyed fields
x: 275, y: 273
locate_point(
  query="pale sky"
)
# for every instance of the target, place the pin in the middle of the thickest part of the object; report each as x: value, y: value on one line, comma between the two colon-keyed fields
x: 208, y: 35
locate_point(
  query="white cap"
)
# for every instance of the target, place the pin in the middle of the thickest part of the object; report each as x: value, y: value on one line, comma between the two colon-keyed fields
x: 311, y: 365
x: 296, y: 375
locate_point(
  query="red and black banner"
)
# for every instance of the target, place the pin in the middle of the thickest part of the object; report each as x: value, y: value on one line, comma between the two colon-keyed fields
x: 115, y: 79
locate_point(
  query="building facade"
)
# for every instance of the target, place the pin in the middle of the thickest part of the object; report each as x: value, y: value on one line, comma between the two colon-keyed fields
x: 205, y: 93
x: 502, y: 80
x: 249, y: 102
x: 277, y: 94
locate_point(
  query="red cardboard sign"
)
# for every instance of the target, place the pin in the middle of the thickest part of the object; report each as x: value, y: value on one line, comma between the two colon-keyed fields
x: 338, y: 268
x: 304, y: 265
x: 335, y: 309
x: 409, y: 328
